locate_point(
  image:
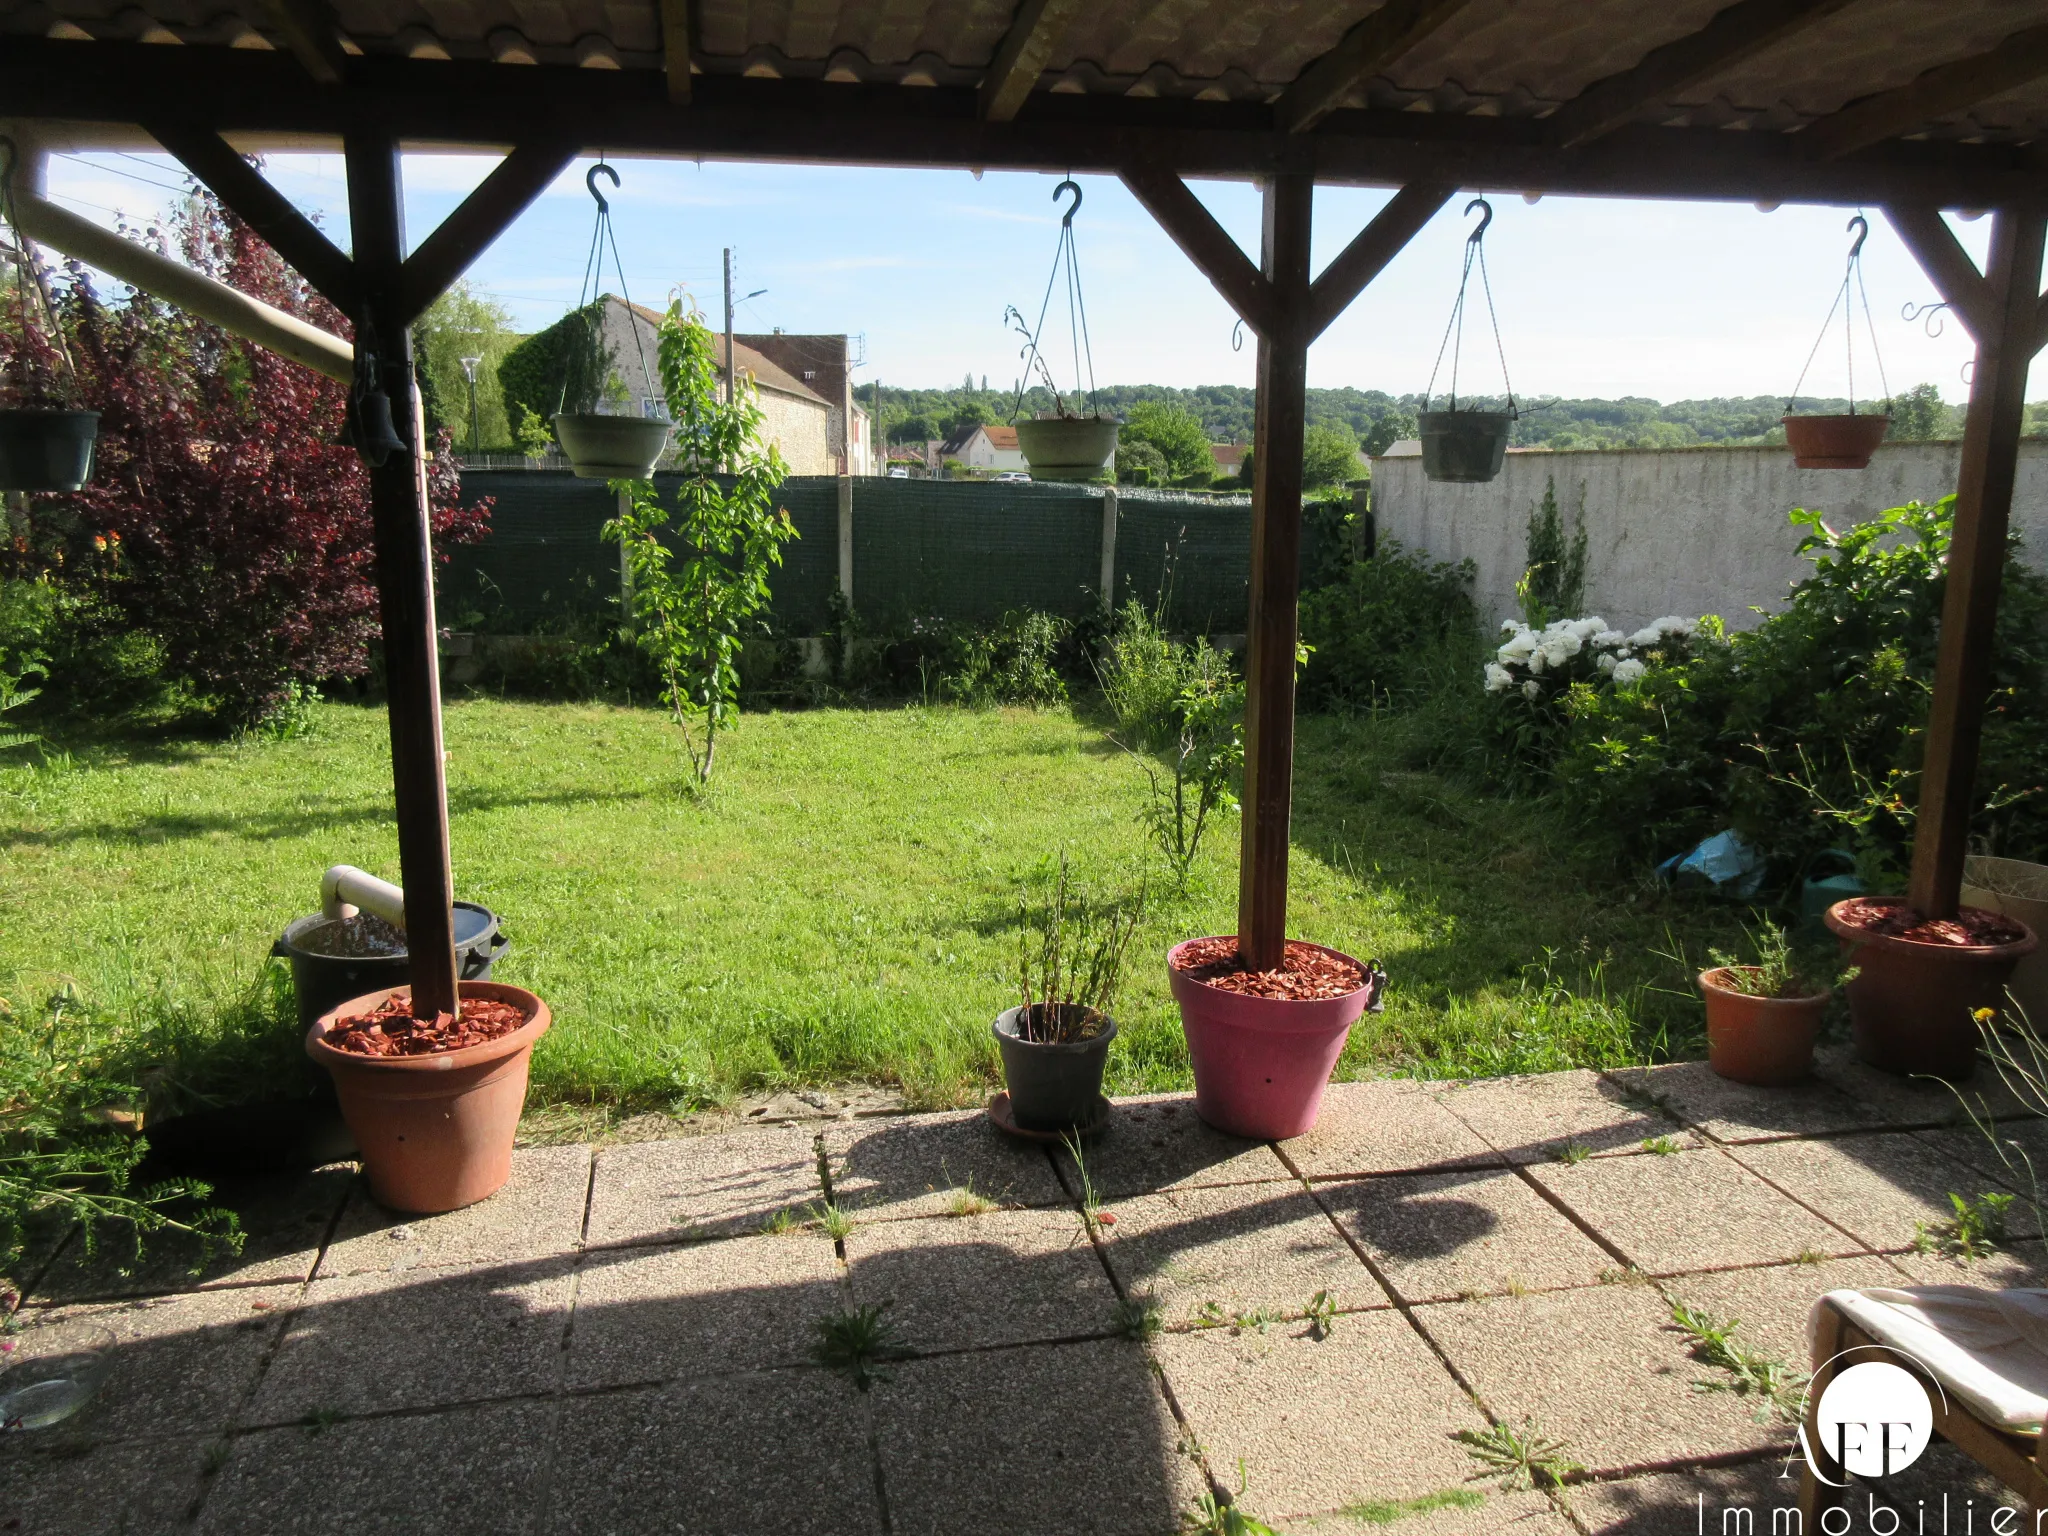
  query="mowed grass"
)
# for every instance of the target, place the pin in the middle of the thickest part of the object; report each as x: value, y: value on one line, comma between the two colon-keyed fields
x: 842, y: 903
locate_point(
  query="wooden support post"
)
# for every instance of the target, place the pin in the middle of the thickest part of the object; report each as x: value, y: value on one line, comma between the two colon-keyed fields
x: 405, y: 575
x: 1107, y: 583
x: 1976, y: 561
x: 846, y: 538
x: 1271, y: 630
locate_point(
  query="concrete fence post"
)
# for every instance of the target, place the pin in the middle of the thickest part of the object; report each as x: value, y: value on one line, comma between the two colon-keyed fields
x: 846, y: 538
x: 1108, y: 548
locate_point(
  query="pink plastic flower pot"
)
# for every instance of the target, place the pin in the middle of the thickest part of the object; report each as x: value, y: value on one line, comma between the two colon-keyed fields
x: 1261, y: 1063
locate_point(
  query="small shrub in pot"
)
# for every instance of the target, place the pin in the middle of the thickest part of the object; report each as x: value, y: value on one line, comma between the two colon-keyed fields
x: 1763, y: 1016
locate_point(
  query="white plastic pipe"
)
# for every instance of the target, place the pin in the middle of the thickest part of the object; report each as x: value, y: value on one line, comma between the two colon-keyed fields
x: 344, y: 888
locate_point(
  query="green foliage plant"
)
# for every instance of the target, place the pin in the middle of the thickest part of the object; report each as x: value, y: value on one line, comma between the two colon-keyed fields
x: 563, y: 368
x: 1070, y: 959
x: 1377, y: 634
x: 1975, y: 1231
x: 1553, y: 584
x: 1519, y: 1456
x: 857, y: 1343
x: 694, y: 602
x: 1175, y: 433
x: 1776, y: 970
x: 1329, y: 456
x: 1782, y: 1389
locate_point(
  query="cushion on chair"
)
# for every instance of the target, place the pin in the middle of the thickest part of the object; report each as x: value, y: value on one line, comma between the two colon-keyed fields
x: 1988, y: 1349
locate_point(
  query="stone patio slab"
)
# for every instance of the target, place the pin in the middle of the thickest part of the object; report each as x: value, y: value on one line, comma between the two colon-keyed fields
x: 1602, y: 1370
x: 2018, y: 1161
x: 1771, y: 1304
x: 1241, y: 1248
x: 1393, y: 1125
x: 1532, y: 1119
x: 1667, y: 1503
x: 1045, y: 1441
x: 284, y: 1222
x: 1006, y: 1277
x: 464, y: 1472
x: 1158, y: 1142
x: 921, y: 1165
x: 365, y: 1343
x: 1690, y: 1210
x: 1882, y: 1188
x: 1366, y: 1413
x: 1437, y: 1236
x: 694, y: 1309
x: 539, y: 1212
x: 57, y: 1487
x: 702, y: 1186
x: 1496, y: 1514
x: 1890, y: 1101
x: 180, y: 1364
x: 2021, y: 1264
x: 1735, y: 1112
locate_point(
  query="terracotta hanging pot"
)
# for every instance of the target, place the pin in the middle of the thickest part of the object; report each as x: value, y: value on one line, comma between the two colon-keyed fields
x: 1764, y: 1041
x: 1067, y: 447
x: 46, y: 450
x: 1464, y: 447
x: 611, y: 447
x: 1834, y: 442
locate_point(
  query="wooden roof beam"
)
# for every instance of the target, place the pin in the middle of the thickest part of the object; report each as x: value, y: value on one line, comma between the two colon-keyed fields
x: 675, y: 49
x: 1369, y: 252
x: 483, y: 216
x: 1947, y: 88
x: 1368, y: 48
x: 1206, y: 243
x: 312, y: 34
x: 1022, y: 56
x: 1735, y: 34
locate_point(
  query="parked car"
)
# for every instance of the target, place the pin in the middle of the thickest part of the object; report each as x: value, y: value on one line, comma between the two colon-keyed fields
x: 1011, y: 477
x: 899, y: 474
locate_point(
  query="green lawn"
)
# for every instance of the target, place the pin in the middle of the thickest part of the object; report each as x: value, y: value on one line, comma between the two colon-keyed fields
x: 840, y: 906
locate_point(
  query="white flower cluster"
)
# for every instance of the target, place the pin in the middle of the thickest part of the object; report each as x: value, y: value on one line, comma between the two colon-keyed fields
x: 1574, y: 645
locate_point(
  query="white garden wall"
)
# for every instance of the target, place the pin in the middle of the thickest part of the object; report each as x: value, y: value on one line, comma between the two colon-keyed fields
x: 1673, y: 531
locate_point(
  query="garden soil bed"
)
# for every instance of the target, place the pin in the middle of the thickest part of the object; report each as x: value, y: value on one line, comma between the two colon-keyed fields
x: 393, y: 1030
x: 1888, y: 917
x: 1307, y: 973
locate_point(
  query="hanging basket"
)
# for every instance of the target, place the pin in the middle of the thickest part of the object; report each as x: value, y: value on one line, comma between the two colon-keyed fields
x: 46, y: 450
x: 611, y: 447
x: 1834, y: 442
x: 1067, y: 447
x: 1464, y: 447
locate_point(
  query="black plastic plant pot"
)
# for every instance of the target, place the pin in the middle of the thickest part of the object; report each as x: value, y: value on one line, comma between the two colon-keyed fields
x: 1464, y: 447
x: 1052, y: 1087
x: 46, y: 450
x: 323, y: 980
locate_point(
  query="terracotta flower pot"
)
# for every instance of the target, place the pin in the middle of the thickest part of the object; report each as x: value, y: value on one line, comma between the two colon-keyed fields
x: 1261, y: 1063
x: 1912, y: 1003
x: 1764, y: 1041
x: 1834, y: 442
x: 435, y: 1131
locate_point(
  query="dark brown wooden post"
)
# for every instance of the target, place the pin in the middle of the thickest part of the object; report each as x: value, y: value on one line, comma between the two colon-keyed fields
x: 405, y: 575
x: 1272, y: 627
x: 1976, y: 563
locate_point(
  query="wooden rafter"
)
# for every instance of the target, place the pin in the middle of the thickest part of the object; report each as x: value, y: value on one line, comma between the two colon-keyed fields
x: 1947, y: 88
x: 675, y: 49
x: 1743, y: 29
x: 312, y: 34
x: 262, y: 207
x: 1369, y: 47
x: 1369, y: 252
x: 1204, y: 242
x: 1947, y: 265
x: 1023, y: 55
x: 484, y: 215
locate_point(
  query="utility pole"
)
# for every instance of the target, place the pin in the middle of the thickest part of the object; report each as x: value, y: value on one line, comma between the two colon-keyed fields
x: 469, y: 372
x: 877, y: 448
x: 731, y: 377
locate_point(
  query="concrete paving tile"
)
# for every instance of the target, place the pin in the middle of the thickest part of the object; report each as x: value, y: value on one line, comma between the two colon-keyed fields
x: 702, y: 1186
x: 782, y: 1453
x: 1771, y: 1304
x: 1478, y: 1230
x: 1493, y: 1514
x: 918, y: 1165
x: 364, y: 1343
x: 463, y: 1472
x: 1602, y: 1370
x: 1882, y: 1187
x: 1159, y: 1142
x: 1940, y: 1473
x: 1393, y: 1125
x: 1691, y: 1210
x: 1887, y: 1100
x: 59, y: 1487
x: 1006, y: 1277
x: 1529, y: 1119
x: 1242, y: 1247
x: 693, y: 1309
x: 2015, y: 1154
x: 284, y: 1222
x: 1046, y: 1441
x: 1367, y: 1413
x: 538, y: 1212
x: 179, y: 1364
x: 2012, y: 1266
x: 1668, y: 1503
x: 1732, y: 1112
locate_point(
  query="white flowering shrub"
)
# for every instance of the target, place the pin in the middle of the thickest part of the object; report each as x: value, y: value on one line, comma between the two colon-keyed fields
x: 1538, y: 676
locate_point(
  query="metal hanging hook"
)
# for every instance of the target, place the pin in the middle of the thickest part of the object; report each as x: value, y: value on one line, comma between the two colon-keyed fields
x: 1909, y: 312
x: 1486, y: 217
x: 1237, y: 336
x: 590, y: 181
x: 1862, y: 227
x: 1074, y: 187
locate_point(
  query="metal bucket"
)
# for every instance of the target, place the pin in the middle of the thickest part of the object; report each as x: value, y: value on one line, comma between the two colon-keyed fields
x: 324, y: 982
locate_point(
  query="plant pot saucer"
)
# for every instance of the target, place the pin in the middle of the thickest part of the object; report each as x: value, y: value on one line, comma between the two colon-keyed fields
x: 999, y: 1112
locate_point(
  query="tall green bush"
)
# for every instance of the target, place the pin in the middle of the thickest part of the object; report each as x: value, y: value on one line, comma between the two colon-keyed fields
x: 1378, y: 634
x: 1553, y: 584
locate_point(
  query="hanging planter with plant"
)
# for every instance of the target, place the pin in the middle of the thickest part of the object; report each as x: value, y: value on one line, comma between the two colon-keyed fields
x: 1841, y: 441
x: 1065, y: 445
x: 1467, y: 447
x: 46, y: 434
x: 602, y: 445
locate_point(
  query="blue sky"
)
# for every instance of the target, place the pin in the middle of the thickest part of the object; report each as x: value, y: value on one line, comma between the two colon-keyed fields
x: 1596, y: 297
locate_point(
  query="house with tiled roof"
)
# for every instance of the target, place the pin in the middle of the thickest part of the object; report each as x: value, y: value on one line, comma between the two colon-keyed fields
x: 987, y: 449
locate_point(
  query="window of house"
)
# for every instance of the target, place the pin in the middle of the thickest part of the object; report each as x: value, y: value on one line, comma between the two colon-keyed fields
x: 656, y: 410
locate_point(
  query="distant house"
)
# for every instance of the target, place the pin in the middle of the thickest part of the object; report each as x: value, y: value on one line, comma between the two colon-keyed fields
x: 1229, y: 457
x: 987, y: 449
x: 824, y: 364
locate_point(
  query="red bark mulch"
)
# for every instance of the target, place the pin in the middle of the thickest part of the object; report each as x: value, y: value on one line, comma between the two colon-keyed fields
x: 391, y: 1029
x: 1887, y: 915
x: 1307, y: 974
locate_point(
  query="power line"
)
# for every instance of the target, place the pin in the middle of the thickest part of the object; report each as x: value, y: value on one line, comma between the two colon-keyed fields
x: 115, y: 170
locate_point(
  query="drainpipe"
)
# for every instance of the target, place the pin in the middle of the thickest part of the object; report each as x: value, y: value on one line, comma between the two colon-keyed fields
x: 344, y: 888
x: 143, y: 269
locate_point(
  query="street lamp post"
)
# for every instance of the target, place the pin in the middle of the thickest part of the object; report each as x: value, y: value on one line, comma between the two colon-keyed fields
x: 469, y: 373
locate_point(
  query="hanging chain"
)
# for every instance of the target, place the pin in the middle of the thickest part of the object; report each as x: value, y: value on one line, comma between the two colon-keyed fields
x: 29, y: 283
x: 1454, y: 328
x: 1846, y: 298
x: 603, y: 238
x: 1064, y: 258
